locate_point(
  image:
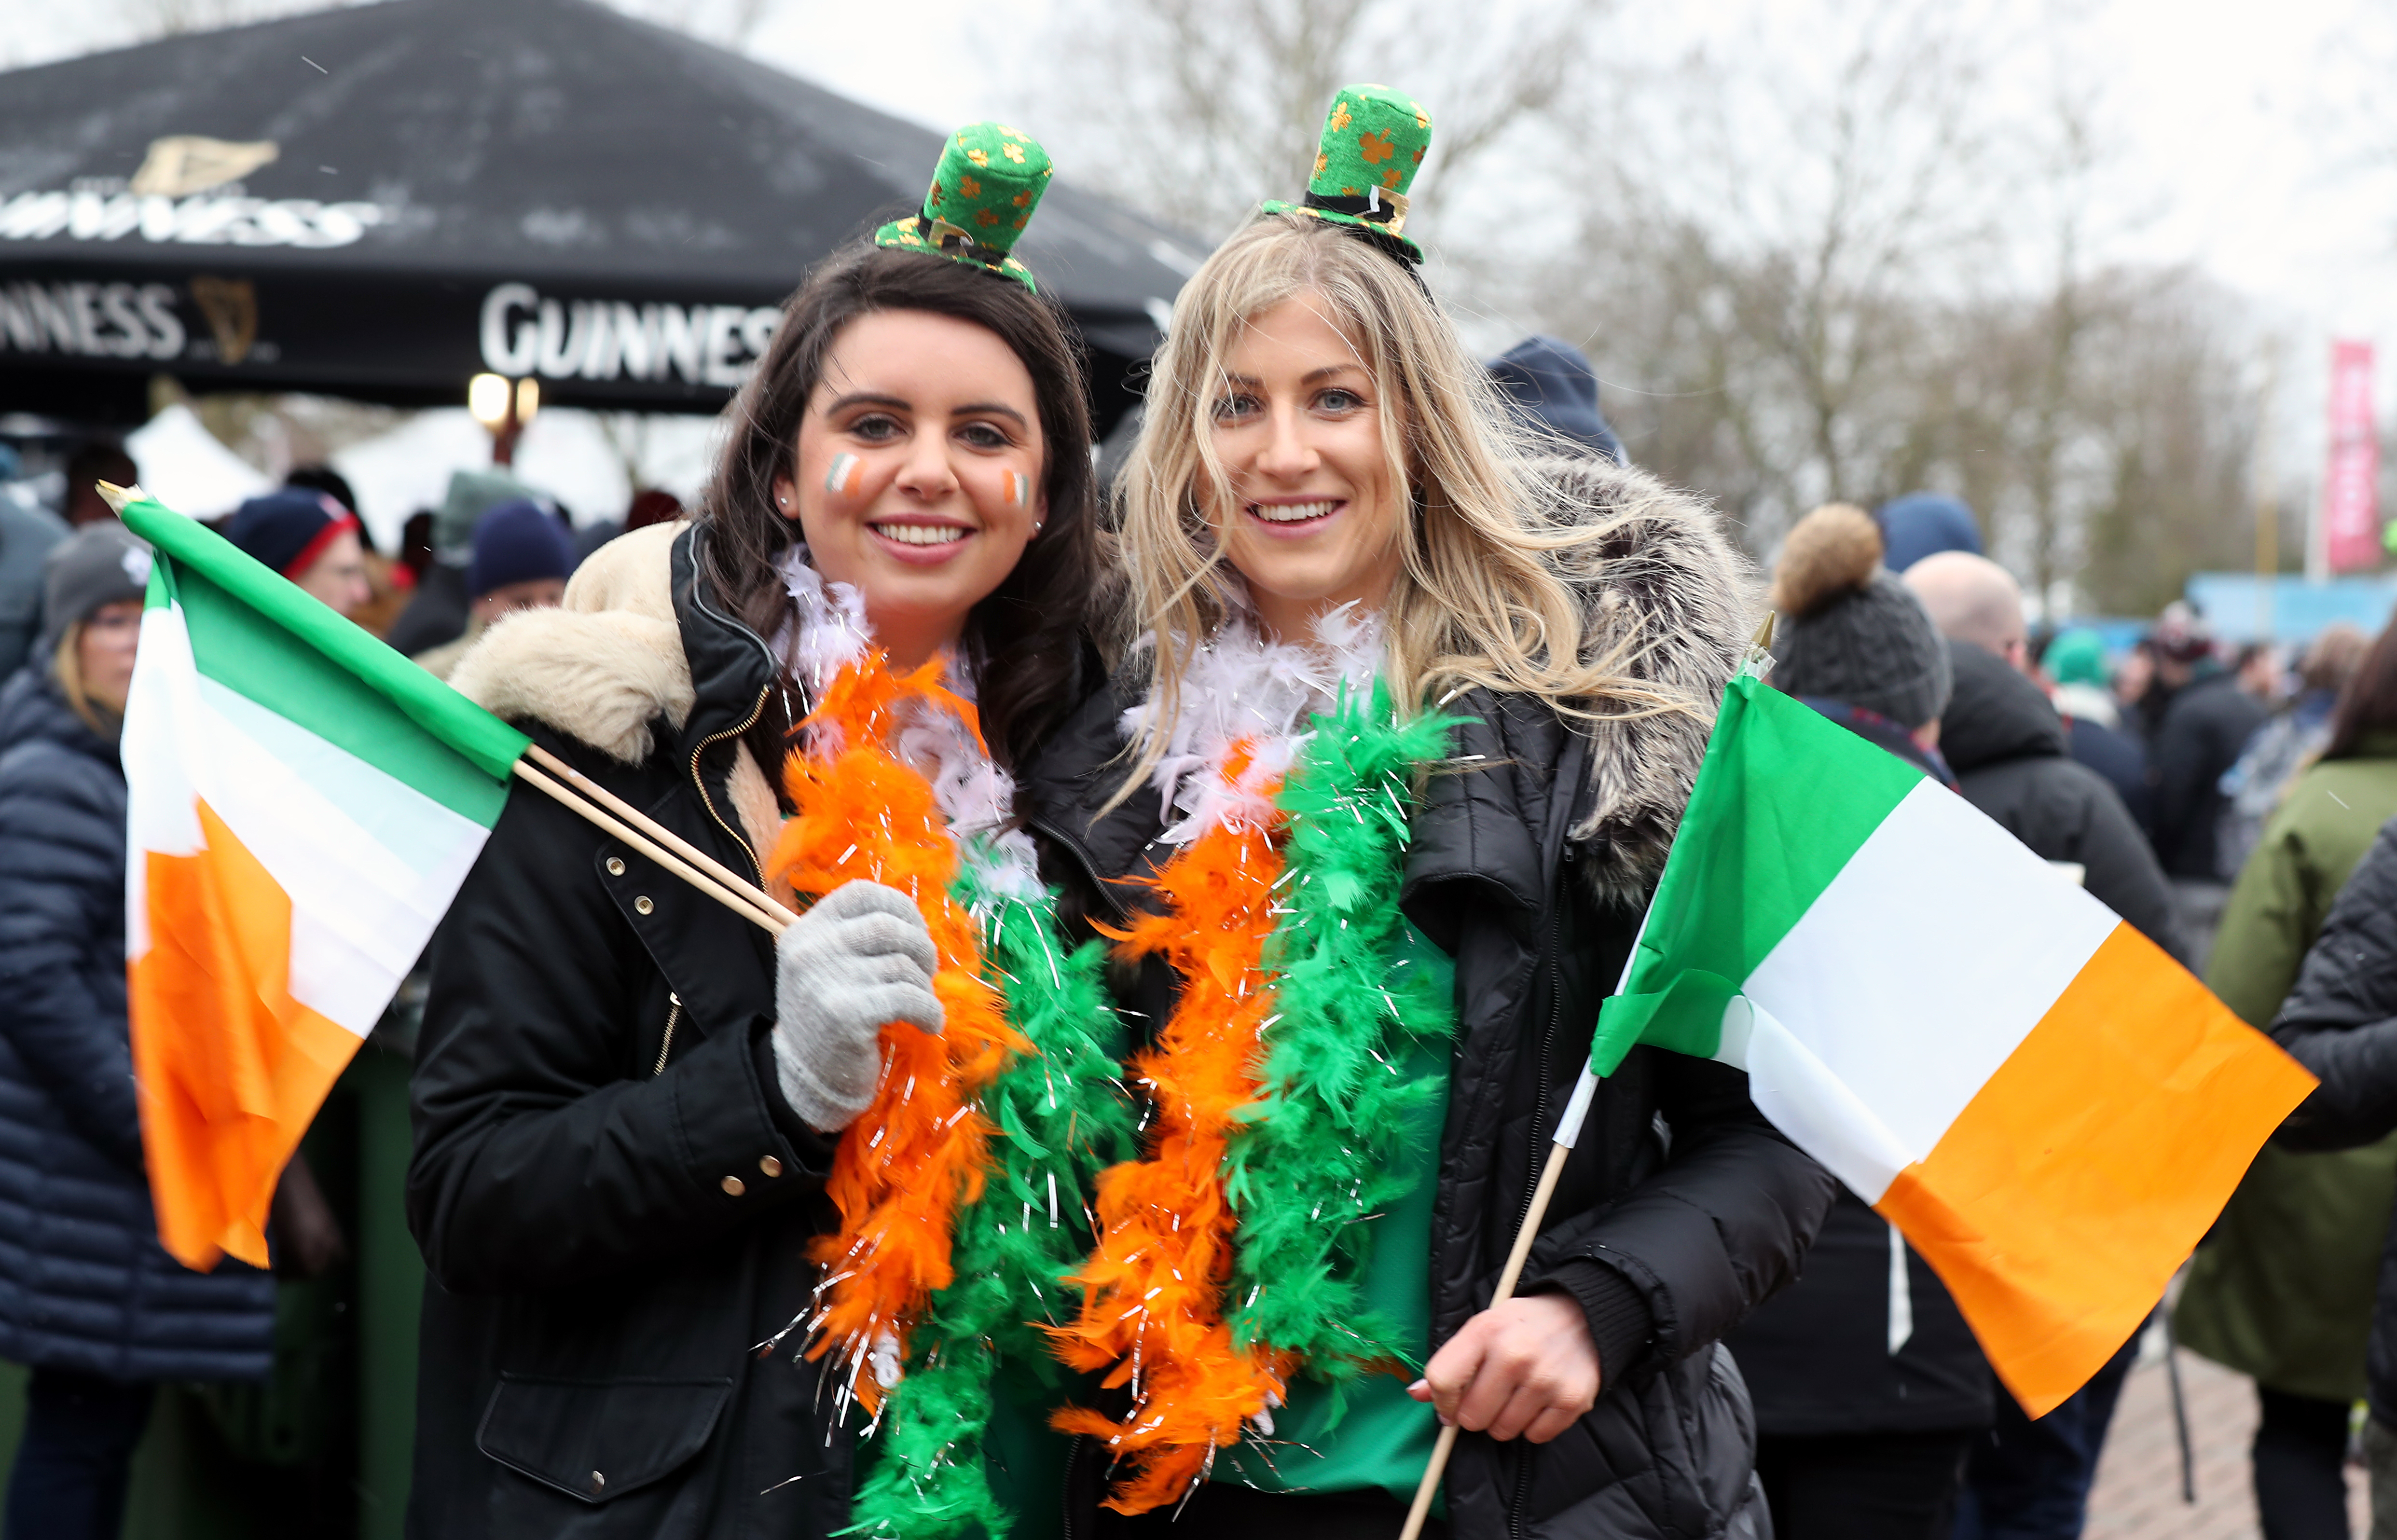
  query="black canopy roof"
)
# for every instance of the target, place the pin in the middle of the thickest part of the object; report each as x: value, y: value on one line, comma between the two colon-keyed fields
x: 382, y: 201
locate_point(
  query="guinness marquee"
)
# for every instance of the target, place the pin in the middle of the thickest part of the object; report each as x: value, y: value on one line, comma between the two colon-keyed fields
x: 381, y: 202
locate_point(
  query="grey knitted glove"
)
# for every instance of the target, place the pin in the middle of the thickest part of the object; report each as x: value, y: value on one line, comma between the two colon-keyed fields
x: 862, y: 957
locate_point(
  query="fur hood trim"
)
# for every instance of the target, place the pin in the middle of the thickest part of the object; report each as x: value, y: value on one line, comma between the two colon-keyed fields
x: 1668, y: 591
x: 604, y: 666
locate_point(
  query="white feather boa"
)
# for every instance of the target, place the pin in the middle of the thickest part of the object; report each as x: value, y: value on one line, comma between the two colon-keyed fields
x: 1242, y: 691
x: 827, y: 632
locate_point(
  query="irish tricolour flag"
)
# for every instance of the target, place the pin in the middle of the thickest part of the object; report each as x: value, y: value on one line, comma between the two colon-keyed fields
x: 2048, y: 1107
x: 302, y: 806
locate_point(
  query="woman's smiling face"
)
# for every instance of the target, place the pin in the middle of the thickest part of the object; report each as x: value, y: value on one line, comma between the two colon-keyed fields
x: 917, y: 472
x: 1313, y: 520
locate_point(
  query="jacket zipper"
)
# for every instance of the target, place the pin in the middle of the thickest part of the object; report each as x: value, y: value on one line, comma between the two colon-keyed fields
x: 665, y: 1046
x: 709, y: 802
x: 1081, y: 859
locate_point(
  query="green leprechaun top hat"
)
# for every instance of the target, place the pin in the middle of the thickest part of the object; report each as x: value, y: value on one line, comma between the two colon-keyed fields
x: 989, y: 181
x: 1373, y: 142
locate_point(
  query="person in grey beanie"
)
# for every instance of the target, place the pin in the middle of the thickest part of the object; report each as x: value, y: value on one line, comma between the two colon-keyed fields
x: 89, y: 1303
x: 1869, y: 1389
x: 1853, y: 642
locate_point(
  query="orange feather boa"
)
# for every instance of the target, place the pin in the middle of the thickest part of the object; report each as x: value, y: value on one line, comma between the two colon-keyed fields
x: 922, y: 1150
x: 1152, y: 1310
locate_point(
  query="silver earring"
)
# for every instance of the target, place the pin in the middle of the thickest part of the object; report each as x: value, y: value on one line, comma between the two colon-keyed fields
x: 1039, y: 526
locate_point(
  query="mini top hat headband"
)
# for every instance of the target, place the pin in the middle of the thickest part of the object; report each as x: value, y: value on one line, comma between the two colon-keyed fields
x: 1373, y: 141
x: 988, y: 182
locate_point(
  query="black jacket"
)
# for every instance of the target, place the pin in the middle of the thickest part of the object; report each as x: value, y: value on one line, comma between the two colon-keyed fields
x: 84, y: 1283
x: 2008, y: 749
x: 1681, y: 1208
x: 2202, y: 729
x: 611, y: 1198
x: 2340, y: 1022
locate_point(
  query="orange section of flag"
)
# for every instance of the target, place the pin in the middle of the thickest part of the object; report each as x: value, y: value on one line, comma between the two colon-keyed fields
x: 231, y: 1067
x: 2060, y: 1201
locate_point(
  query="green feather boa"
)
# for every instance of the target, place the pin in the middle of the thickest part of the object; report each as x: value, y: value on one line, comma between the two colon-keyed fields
x: 1062, y: 1118
x: 1322, y: 1148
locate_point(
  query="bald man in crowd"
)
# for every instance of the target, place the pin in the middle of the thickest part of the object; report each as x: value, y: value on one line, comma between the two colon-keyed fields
x: 2009, y: 751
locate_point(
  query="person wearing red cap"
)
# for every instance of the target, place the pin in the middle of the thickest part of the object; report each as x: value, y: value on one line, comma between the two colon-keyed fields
x: 310, y: 537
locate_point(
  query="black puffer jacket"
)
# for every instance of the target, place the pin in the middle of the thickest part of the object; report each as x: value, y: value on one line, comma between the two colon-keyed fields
x: 84, y: 1283
x: 611, y: 1196
x: 1680, y: 1208
x: 2008, y: 749
x: 2340, y: 1022
x: 2202, y: 729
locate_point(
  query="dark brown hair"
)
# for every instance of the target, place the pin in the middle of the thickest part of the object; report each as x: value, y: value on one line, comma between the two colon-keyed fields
x: 2368, y: 703
x: 1024, y: 641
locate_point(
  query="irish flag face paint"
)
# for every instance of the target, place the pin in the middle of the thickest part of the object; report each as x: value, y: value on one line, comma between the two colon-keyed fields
x: 1019, y: 489
x: 846, y: 474
x: 2049, y: 1107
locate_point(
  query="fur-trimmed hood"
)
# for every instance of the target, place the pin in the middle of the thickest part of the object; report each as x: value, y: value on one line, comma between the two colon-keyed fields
x: 1668, y: 593
x: 609, y: 665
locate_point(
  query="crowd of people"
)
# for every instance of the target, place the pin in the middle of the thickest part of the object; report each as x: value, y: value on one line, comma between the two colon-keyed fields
x: 639, y: 1120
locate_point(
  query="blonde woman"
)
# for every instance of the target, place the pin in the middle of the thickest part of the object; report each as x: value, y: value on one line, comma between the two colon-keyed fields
x: 1336, y: 551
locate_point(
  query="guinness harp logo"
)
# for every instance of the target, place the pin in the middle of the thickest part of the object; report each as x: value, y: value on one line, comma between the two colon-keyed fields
x: 185, y: 164
x: 231, y: 306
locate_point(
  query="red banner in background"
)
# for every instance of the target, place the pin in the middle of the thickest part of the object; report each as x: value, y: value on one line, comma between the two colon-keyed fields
x: 2351, y: 490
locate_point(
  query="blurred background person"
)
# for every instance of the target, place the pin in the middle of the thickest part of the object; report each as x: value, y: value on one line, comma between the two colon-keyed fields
x: 441, y: 607
x: 2284, y: 1287
x: 310, y: 538
x: 2201, y: 722
x: 2074, y: 669
x: 88, y: 1299
x: 389, y: 583
x: 98, y: 460
x: 1868, y: 1385
x: 2288, y: 743
x: 1551, y: 387
x: 1923, y: 524
x: 521, y: 560
x: 27, y: 534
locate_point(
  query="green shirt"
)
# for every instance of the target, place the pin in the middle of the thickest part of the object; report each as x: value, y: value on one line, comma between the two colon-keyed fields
x: 1383, y: 1437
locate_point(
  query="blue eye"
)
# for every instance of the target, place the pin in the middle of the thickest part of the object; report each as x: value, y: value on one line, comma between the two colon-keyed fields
x: 1231, y: 406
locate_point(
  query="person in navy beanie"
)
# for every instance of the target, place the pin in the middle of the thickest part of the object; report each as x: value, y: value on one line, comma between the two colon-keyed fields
x: 310, y: 537
x: 1548, y: 385
x: 522, y: 558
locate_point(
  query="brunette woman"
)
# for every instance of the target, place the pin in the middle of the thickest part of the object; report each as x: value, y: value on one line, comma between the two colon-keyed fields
x: 628, y: 1098
x: 1325, y: 499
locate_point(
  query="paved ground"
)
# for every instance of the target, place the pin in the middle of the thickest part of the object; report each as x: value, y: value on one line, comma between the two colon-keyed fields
x: 2138, y: 1495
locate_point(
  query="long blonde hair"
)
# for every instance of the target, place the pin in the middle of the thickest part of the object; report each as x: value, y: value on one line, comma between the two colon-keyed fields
x: 1485, y: 596
x: 66, y: 666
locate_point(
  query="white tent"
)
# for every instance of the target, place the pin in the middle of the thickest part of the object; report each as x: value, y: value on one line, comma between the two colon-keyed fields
x: 565, y: 453
x: 184, y: 466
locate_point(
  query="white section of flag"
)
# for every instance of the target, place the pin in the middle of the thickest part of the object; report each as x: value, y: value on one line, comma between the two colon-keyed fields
x: 369, y: 863
x: 1907, y: 982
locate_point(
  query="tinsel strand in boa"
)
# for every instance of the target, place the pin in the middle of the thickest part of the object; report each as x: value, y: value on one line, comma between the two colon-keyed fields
x: 1061, y: 1117
x: 920, y: 1152
x: 1323, y: 1148
x: 1282, y: 1103
x: 1152, y: 1312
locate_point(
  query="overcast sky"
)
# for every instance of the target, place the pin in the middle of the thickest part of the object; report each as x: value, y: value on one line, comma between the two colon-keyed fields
x: 2219, y: 103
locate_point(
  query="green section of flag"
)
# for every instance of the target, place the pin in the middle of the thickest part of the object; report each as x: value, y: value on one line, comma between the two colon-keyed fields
x: 1783, y: 799
x: 258, y: 634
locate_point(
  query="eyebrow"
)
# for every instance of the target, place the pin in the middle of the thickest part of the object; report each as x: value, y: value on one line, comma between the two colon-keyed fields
x: 875, y: 398
x: 1311, y: 376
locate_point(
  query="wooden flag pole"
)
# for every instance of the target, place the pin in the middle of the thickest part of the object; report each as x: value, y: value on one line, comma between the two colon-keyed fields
x: 739, y: 897
x: 659, y: 832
